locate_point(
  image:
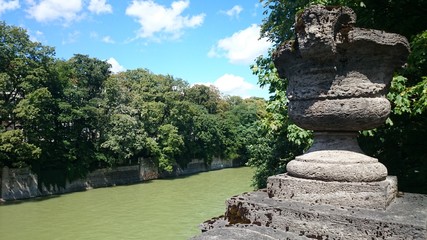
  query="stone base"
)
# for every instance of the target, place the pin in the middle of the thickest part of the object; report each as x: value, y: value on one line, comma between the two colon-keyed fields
x: 405, y: 218
x: 248, y: 232
x: 336, y: 156
x: 373, y: 195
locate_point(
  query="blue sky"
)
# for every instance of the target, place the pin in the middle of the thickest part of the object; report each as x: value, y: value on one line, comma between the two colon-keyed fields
x: 200, y: 41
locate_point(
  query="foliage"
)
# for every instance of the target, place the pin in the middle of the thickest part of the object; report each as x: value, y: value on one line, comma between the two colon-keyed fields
x: 397, y: 144
x: 65, y: 118
x: 14, y: 151
x: 178, y: 123
x: 207, y: 96
x: 171, y: 144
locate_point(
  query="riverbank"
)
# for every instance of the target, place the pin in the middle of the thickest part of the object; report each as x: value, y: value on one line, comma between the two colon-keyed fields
x: 160, y: 209
x: 17, y: 184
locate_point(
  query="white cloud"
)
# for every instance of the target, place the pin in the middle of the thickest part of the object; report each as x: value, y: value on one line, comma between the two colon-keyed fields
x: 100, y: 6
x: 36, y: 36
x: 108, y: 39
x: 242, y: 47
x: 105, y: 39
x: 8, y: 5
x: 53, y: 10
x: 160, y: 21
x: 115, y: 66
x: 232, y: 85
x: 71, y: 37
x: 234, y: 11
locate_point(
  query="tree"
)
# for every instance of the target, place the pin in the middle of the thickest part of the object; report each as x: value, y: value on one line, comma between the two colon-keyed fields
x: 15, y: 151
x: 49, y: 107
x: 240, y: 126
x: 171, y: 144
x: 397, y: 144
x: 207, y: 96
x: 148, y: 102
x: 125, y: 138
x: 79, y: 115
x: 24, y: 77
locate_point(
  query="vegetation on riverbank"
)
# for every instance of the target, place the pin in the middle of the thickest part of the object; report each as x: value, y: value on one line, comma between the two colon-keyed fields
x: 400, y: 143
x: 72, y: 116
x: 64, y: 118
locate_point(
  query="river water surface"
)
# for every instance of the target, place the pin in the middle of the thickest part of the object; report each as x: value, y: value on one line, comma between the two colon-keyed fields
x: 159, y: 209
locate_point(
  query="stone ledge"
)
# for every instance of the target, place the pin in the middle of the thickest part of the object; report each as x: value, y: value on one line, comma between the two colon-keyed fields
x: 248, y: 232
x: 372, y: 195
x: 405, y: 218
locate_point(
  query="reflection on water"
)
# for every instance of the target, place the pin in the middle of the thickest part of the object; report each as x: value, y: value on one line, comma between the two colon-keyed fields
x: 160, y: 209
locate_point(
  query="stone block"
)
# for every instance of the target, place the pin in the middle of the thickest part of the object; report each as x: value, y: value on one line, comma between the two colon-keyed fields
x: 373, y: 195
x: 405, y: 218
x: 248, y: 232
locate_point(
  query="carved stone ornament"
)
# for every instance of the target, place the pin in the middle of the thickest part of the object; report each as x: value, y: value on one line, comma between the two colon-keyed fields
x: 338, y: 78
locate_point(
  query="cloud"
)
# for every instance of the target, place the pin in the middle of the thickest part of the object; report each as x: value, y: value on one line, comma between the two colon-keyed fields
x: 105, y: 39
x: 234, y: 11
x: 71, y: 37
x: 53, y: 10
x: 160, y: 21
x: 233, y: 85
x: 8, y: 5
x: 108, y: 39
x: 36, y: 36
x: 100, y: 6
x: 242, y: 47
x: 115, y: 66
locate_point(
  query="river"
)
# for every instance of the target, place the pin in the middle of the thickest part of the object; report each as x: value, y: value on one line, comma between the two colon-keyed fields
x: 155, y: 210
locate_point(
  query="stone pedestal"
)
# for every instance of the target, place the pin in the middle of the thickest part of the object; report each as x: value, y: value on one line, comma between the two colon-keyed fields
x: 336, y: 156
x: 372, y: 195
x: 271, y: 218
x: 338, y: 78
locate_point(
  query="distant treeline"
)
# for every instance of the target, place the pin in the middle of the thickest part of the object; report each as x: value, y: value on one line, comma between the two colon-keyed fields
x: 70, y: 117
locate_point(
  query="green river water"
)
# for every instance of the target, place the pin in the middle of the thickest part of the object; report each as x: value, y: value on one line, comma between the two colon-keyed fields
x: 159, y: 209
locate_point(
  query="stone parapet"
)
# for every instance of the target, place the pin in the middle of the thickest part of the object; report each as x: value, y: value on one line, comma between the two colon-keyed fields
x: 405, y: 218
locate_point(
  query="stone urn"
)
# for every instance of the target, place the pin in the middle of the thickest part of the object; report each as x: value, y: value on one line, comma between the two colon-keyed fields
x: 338, y: 78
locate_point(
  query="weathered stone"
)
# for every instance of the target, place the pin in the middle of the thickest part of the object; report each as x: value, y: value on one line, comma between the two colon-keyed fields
x: 372, y: 195
x: 338, y: 77
x: 405, y: 218
x: 352, y: 114
x: 248, y: 232
x: 338, y: 74
x: 336, y: 156
x: 18, y: 184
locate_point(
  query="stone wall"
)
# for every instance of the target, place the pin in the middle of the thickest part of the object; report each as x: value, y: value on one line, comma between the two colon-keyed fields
x: 218, y: 163
x: 18, y: 184
x: 22, y: 183
x: 98, y: 178
x: 196, y: 166
x: 148, y: 170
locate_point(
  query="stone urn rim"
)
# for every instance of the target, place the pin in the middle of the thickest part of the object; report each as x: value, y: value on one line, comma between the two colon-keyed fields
x: 338, y: 71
